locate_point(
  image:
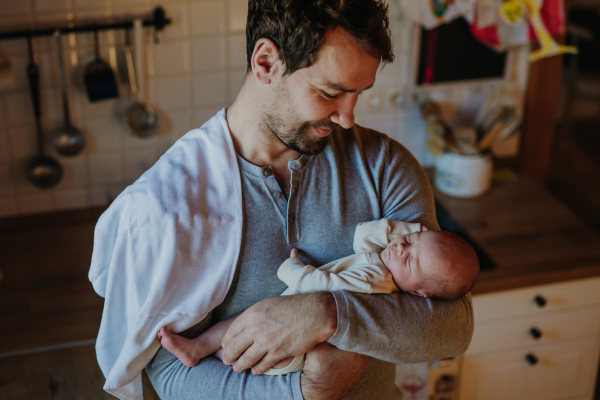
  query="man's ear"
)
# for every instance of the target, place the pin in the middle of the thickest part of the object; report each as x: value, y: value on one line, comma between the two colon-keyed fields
x: 419, y: 293
x: 265, y: 60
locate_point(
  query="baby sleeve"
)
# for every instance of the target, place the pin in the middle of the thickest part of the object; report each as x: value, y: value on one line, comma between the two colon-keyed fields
x: 374, y: 236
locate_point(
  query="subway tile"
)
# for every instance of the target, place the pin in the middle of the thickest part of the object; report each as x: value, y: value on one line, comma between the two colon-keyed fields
x: 236, y: 49
x: 172, y: 57
x: 14, y: 46
x: 105, y: 168
x: 173, y: 93
x: 237, y: 15
x: 104, y: 109
x: 18, y: 63
x: 52, y: 107
x: 8, y: 206
x: 19, y: 108
x: 131, y: 142
x: 103, y: 195
x: 180, y: 21
x: 48, y: 67
x: 6, y: 182
x: 137, y: 162
x: 23, y: 142
x: 103, y: 135
x: 15, y: 7
x: 204, y: 114
x: 102, y: 4
x: 209, y: 89
x: 70, y: 199
x: 176, y: 124
x: 388, y: 76
x: 74, y: 173
x: 127, y: 3
x: 208, y: 17
x: 51, y: 5
x: 236, y: 79
x: 35, y: 203
x: 208, y: 53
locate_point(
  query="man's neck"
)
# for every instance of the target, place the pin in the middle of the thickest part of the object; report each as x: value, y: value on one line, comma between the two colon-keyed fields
x: 251, y: 141
x: 255, y: 145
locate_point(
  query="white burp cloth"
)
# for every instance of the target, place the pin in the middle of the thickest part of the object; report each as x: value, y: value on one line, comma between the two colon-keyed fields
x: 296, y: 365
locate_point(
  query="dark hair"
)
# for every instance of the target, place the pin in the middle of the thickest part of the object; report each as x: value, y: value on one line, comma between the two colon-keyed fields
x: 297, y: 27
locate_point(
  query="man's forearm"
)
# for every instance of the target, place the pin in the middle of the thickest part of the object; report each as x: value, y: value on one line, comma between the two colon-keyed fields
x: 402, y: 328
x: 277, y: 328
x: 211, y: 379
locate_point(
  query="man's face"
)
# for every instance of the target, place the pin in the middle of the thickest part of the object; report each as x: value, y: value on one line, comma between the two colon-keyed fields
x: 310, y: 103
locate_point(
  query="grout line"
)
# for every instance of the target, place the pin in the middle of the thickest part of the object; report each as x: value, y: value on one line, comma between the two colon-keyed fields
x: 47, y: 348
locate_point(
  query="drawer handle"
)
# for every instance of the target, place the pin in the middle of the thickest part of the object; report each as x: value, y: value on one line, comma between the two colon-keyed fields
x: 531, y: 359
x: 535, y: 333
x: 540, y: 300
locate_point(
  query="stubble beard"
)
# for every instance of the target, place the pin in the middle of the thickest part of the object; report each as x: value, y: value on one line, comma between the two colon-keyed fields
x: 298, y: 138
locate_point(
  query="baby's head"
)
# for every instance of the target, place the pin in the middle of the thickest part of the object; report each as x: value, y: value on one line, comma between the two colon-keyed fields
x: 432, y: 264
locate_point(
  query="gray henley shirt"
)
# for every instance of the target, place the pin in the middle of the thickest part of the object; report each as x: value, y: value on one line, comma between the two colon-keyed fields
x: 362, y: 175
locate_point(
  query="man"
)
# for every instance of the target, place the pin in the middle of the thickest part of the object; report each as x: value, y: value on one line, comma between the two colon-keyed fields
x: 308, y: 177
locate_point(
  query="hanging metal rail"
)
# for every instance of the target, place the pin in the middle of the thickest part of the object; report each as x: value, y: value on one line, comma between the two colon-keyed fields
x: 158, y: 21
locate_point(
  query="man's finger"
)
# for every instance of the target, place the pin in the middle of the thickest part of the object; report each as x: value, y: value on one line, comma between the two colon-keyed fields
x: 264, y: 365
x: 251, y: 356
x: 236, y: 348
x: 235, y: 329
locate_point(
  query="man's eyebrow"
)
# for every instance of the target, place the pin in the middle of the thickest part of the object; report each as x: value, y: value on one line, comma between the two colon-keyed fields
x: 341, y: 88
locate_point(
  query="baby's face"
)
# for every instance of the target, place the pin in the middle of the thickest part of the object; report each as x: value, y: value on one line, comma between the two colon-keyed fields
x: 410, y: 259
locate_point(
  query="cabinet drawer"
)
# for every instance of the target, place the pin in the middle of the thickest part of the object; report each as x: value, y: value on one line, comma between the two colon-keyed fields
x: 517, y: 333
x: 562, y: 371
x: 521, y: 302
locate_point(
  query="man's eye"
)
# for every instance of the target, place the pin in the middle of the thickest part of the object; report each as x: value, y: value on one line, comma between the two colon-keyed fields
x: 329, y: 96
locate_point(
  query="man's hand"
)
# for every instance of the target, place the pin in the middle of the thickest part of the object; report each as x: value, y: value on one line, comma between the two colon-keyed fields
x: 279, y: 327
x: 329, y: 373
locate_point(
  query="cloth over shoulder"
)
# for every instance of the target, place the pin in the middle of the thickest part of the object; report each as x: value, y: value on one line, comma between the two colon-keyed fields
x: 165, y: 251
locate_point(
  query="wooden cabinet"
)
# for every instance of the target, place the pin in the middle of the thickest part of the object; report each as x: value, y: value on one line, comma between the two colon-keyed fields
x: 539, y: 342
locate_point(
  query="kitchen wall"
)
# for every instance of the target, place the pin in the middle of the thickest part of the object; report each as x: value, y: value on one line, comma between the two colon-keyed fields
x: 195, y: 70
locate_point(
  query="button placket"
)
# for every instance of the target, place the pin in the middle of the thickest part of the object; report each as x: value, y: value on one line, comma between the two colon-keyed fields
x: 292, y: 210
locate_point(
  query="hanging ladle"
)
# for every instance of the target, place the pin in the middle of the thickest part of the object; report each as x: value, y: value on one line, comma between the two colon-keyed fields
x: 141, y: 120
x: 44, y: 172
x: 68, y: 140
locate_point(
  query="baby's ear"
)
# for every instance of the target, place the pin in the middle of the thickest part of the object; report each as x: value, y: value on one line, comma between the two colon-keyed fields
x: 419, y: 293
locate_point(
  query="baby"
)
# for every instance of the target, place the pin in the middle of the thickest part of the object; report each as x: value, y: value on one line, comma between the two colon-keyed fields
x: 389, y: 256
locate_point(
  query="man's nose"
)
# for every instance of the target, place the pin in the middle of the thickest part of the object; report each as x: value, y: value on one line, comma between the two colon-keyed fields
x: 344, y: 115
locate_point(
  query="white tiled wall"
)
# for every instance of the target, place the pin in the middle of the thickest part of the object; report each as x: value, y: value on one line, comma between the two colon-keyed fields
x: 195, y: 70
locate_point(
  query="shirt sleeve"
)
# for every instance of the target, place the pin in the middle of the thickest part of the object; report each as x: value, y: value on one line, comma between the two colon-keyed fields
x: 211, y: 379
x: 399, y: 327
x: 352, y: 273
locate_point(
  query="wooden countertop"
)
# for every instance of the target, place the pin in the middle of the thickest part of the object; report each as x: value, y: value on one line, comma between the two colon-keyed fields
x: 531, y: 236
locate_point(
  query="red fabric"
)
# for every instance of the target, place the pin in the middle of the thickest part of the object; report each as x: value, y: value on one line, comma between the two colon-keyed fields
x: 553, y: 15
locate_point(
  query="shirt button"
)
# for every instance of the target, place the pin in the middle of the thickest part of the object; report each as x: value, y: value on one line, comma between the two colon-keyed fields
x: 267, y: 171
x: 291, y: 218
x: 278, y: 195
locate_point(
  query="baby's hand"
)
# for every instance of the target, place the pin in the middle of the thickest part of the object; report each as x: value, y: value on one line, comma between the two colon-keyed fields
x: 294, y: 253
x: 424, y: 228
